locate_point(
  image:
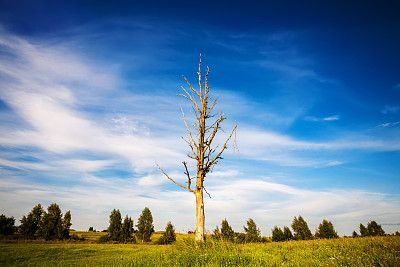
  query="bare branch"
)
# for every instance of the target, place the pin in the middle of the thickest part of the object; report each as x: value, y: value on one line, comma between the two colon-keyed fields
x: 173, y: 180
x: 215, y: 159
x: 206, y: 192
x: 191, y: 87
x: 216, y: 128
x: 215, y: 102
x: 188, y: 175
x: 187, y: 126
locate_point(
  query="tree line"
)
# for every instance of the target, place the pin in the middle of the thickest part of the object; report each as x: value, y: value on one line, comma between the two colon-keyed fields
x: 124, y: 232
x: 50, y: 224
x: 53, y: 225
x: 301, y: 231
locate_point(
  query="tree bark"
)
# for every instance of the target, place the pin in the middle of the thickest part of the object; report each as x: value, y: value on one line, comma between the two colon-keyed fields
x: 200, y: 218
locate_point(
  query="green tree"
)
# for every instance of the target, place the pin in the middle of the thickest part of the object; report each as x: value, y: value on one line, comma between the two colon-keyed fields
x: 375, y: 229
x: 30, y: 223
x: 277, y: 234
x: 53, y: 225
x: 127, y: 230
x: 363, y: 230
x: 115, y: 228
x: 7, y: 225
x: 287, y: 234
x: 145, y: 226
x: 226, y: 231
x: 251, y: 231
x: 168, y: 236
x: 300, y: 229
x: 326, y: 230
x: 66, y: 225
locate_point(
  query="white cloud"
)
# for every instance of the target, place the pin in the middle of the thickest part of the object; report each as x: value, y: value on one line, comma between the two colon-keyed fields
x: 330, y: 118
x: 267, y: 202
x: 390, y: 110
x: 46, y: 87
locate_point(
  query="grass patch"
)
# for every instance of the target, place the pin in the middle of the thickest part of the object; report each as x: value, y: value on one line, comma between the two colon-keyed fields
x: 371, y: 251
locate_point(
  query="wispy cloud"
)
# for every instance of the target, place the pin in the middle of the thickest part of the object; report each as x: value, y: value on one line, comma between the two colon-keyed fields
x: 330, y: 118
x: 390, y: 110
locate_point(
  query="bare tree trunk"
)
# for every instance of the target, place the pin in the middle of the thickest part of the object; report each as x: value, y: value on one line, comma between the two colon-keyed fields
x: 200, y: 218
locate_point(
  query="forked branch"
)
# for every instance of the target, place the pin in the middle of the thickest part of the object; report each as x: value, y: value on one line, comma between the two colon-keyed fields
x: 187, y: 188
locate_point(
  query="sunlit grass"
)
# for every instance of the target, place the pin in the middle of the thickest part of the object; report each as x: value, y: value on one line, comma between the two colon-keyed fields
x: 372, y: 251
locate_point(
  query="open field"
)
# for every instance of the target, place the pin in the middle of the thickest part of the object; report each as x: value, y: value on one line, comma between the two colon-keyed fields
x: 368, y: 251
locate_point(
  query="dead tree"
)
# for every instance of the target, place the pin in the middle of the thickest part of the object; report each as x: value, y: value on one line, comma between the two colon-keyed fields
x: 199, y: 139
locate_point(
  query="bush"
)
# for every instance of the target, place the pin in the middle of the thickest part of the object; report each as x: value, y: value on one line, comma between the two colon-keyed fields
x: 168, y: 236
x: 240, y: 238
x: 76, y: 238
x: 104, y: 239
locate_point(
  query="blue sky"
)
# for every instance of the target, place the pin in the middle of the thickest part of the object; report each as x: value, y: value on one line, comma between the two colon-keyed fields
x: 88, y: 104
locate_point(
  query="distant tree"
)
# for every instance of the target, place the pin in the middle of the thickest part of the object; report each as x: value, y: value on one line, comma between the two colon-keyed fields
x: 397, y: 233
x: 66, y: 225
x: 53, y: 225
x: 145, y: 226
x: 168, y: 236
x: 115, y: 228
x: 227, y: 233
x: 127, y: 230
x: 287, y: 234
x: 375, y: 229
x: 326, y: 230
x: 300, y: 229
x: 90, y: 229
x: 7, y: 225
x: 251, y: 231
x: 363, y: 230
x: 30, y: 223
x: 277, y: 234
x: 354, y: 235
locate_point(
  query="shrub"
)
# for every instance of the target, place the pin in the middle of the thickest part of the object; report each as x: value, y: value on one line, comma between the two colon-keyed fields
x: 168, y: 236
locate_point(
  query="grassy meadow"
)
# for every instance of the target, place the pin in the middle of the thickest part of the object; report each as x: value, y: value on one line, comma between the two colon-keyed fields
x: 365, y: 251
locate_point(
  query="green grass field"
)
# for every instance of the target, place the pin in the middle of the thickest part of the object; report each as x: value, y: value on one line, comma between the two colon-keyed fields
x: 367, y: 251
